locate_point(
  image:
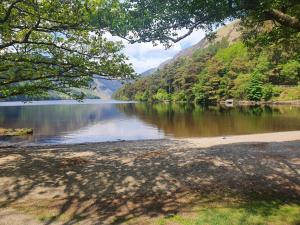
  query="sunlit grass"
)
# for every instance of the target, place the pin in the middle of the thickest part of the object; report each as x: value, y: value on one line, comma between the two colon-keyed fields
x: 255, y: 213
x: 288, y: 93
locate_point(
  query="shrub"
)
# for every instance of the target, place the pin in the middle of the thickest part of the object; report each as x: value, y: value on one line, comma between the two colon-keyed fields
x: 290, y: 72
x: 255, y: 87
x: 240, y: 86
x: 267, y: 92
x: 162, y: 95
x: 179, y: 96
x: 139, y: 96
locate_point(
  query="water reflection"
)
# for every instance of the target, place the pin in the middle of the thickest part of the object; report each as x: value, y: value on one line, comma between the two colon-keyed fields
x: 107, y: 121
x: 196, y: 121
x: 74, y: 123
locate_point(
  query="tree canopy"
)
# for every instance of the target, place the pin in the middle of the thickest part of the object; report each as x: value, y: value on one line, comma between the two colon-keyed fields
x: 51, y: 45
x: 221, y: 71
x: 164, y: 20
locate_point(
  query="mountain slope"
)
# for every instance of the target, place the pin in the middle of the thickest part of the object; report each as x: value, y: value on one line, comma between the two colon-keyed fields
x: 225, y: 68
x: 148, y: 72
x: 230, y: 32
x: 104, y: 89
x: 101, y: 89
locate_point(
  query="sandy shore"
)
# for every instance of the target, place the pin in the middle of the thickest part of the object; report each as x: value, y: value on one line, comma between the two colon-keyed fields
x: 265, y: 137
x: 109, y: 183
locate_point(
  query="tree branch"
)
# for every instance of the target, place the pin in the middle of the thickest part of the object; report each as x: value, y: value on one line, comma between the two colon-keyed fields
x: 284, y: 19
x: 183, y: 36
x: 8, y: 12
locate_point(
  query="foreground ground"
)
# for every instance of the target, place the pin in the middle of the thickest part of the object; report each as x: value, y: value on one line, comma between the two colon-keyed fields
x: 187, y: 181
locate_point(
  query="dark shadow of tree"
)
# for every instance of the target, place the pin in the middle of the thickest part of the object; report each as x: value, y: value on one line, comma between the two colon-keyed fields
x: 116, y: 183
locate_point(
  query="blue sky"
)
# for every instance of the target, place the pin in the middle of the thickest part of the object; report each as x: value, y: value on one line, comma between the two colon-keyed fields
x: 145, y: 56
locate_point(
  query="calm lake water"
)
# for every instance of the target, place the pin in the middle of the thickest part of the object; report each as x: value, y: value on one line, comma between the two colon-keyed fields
x: 58, y: 122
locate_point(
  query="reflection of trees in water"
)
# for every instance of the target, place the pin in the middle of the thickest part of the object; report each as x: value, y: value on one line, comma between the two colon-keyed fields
x: 184, y: 120
x: 51, y: 119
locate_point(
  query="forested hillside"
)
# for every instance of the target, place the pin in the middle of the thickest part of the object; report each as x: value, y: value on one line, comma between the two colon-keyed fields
x: 225, y: 69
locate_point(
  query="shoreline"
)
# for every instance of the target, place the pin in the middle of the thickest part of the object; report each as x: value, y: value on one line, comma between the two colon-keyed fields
x: 200, y: 142
x: 116, y: 101
x: 267, y: 103
x: 147, y: 180
x: 235, y: 139
x: 234, y: 104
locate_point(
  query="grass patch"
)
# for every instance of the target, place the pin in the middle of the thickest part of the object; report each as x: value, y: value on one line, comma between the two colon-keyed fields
x: 288, y: 93
x: 15, y: 132
x: 255, y: 213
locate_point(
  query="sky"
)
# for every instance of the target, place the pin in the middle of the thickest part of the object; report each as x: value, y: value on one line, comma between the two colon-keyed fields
x: 144, y: 56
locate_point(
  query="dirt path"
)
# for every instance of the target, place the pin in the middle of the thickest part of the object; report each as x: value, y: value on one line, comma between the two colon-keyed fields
x: 108, y: 183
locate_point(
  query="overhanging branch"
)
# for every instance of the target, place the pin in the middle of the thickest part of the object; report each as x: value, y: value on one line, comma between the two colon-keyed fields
x: 284, y: 19
x: 8, y: 12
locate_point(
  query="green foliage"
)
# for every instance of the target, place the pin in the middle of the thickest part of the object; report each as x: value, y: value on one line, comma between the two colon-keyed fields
x: 162, y: 95
x: 270, y: 35
x: 290, y: 72
x: 251, y: 213
x: 161, y: 20
x: 240, y: 85
x: 286, y: 93
x: 142, y: 96
x: 139, y: 96
x: 210, y: 50
x: 267, y: 92
x: 255, y: 87
x: 205, y: 91
x: 220, y: 72
x: 236, y: 51
x: 179, y: 97
x: 51, y: 45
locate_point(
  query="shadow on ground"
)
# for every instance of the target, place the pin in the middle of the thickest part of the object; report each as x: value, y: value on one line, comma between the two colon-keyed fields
x: 111, y: 183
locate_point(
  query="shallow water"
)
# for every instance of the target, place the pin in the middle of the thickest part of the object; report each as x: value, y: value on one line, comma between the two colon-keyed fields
x: 66, y: 122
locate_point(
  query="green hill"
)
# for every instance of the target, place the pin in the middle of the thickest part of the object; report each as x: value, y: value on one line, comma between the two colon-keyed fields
x: 210, y: 72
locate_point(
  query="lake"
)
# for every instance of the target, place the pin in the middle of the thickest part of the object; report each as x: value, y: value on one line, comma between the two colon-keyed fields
x: 66, y: 122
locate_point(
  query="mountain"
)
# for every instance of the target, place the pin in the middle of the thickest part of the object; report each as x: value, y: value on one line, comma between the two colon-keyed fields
x: 148, y: 72
x: 230, y: 32
x: 104, y: 88
x: 101, y: 89
x: 211, y: 72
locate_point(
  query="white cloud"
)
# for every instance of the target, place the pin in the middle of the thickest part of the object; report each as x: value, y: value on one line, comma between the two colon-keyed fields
x: 145, y: 56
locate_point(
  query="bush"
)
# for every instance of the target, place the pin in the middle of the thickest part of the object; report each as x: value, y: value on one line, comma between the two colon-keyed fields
x: 179, y: 97
x: 162, y: 95
x: 139, y: 96
x: 267, y: 92
x: 240, y: 86
x: 255, y: 87
x: 290, y: 72
x: 142, y: 96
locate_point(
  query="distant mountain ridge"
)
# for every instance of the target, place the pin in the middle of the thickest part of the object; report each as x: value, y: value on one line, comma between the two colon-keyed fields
x: 100, y: 89
x: 148, y: 72
x: 104, y: 88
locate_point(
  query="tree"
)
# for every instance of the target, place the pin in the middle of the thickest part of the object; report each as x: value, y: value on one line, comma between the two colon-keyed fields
x: 162, y: 95
x: 51, y: 45
x: 164, y: 20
